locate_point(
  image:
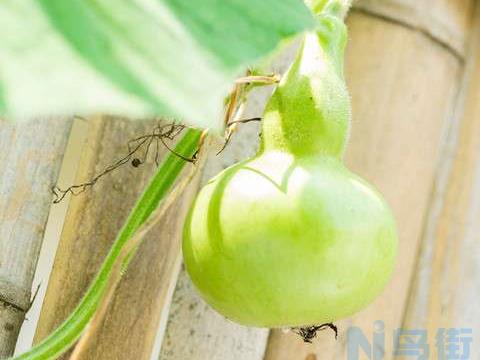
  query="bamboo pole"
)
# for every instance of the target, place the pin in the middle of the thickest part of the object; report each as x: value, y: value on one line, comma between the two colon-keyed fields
x: 446, y: 287
x: 445, y: 21
x: 92, y: 222
x: 31, y: 155
x: 404, y: 82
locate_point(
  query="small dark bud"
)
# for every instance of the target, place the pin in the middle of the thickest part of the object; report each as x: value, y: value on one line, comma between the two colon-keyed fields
x: 136, y: 162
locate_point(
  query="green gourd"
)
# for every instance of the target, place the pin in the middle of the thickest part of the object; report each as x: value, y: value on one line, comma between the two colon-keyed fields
x: 291, y: 237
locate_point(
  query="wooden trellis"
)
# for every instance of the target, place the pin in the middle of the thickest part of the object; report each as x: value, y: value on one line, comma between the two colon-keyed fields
x: 31, y: 155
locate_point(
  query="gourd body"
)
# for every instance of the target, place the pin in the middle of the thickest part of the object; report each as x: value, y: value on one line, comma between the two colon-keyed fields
x: 291, y: 237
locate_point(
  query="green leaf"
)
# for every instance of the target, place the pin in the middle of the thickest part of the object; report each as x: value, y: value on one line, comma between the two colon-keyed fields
x: 138, y: 57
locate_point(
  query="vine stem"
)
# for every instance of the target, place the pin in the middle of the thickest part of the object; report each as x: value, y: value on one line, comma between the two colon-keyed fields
x: 66, y: 334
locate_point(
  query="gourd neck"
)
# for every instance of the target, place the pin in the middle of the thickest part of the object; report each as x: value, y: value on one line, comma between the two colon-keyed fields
x: 309, y: 111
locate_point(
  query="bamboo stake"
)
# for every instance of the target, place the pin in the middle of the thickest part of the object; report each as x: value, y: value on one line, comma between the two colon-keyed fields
x: 446, y: 22
x: 92, y: 222
x: 126, y: 252
x: 31, y: 155
x: 446, y: 287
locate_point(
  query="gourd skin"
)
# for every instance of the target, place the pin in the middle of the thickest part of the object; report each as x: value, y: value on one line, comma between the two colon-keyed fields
x: 281, y: 241
x: 291, y: 237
